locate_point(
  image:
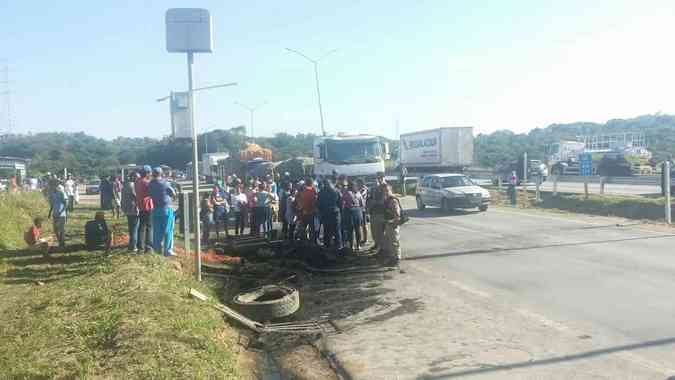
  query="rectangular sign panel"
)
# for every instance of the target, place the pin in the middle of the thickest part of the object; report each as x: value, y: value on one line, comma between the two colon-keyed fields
x: 585, y: 164
x: 421, y: 148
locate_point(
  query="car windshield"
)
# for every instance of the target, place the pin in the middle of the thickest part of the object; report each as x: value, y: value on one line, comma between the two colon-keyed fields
x: 353, y: 151
x: 456, y: 181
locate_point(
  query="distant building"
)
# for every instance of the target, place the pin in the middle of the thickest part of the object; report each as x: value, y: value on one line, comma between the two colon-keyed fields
x: 18, y: 164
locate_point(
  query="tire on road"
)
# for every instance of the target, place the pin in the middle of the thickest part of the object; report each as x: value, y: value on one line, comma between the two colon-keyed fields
x: 268, y: 302
x: 483, y: 208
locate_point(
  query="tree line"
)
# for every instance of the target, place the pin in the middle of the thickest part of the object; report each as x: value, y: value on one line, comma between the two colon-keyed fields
x: 89, y: 156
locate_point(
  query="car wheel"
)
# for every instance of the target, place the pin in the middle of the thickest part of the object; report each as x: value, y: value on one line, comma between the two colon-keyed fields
x: 420, y: 205
x: 483, y: 208
x: 445, y: 205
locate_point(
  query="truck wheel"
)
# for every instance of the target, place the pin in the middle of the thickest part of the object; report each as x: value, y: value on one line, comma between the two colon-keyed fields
x: 483, y: 208
x: 420, y: 205
x: 268, y: 302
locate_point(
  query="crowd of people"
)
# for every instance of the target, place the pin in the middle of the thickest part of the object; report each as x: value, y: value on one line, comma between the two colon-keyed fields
x: 332, y: 211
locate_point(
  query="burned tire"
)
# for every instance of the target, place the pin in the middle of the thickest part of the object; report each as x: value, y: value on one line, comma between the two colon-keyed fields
x: 268, y: 302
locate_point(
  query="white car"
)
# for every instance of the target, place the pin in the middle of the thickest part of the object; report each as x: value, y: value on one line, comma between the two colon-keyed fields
x: 451, y: 191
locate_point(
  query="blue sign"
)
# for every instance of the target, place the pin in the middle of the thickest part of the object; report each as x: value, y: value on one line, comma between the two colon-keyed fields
x: 585, y: 164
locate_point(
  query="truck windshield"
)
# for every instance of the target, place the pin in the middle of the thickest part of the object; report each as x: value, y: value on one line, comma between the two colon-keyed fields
x: 456, y: 181
x: 353, y: 151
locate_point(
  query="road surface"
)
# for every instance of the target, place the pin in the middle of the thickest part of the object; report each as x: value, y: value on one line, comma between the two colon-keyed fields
x: 519, y: 295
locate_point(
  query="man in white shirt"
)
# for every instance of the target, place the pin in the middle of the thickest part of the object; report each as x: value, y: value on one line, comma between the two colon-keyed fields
x: 69, y: 186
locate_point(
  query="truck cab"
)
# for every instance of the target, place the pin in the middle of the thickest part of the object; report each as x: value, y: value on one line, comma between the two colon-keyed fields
x: 349, y: 155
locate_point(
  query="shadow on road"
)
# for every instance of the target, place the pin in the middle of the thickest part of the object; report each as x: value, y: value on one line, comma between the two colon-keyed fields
x: 438, y: 213
x: 524, y: 248
x: 555, y: 360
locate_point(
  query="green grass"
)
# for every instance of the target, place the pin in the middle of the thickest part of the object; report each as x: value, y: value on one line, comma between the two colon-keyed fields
x: 607, y: 205
x: 16, y: 214
x: 97, y: 317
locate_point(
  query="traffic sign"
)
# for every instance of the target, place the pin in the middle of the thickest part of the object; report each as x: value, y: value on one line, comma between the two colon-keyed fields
x: 585, y: 164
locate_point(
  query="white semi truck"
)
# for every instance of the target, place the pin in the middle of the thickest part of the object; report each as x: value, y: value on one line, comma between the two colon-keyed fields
x: 350, y: 155
x: 440, y: 150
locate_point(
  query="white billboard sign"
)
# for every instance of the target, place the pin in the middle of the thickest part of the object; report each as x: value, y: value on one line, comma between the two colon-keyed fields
x: 421, y: 147
x: 188, y: 30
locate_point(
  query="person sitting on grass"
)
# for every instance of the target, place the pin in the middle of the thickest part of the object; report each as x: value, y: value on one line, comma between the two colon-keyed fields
x: 96, y: 233
x: 33, y: 239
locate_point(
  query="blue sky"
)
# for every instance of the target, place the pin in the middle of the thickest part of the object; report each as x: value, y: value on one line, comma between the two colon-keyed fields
x: 98, y: 66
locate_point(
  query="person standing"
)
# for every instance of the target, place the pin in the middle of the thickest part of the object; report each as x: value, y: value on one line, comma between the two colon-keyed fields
x: 162, y: 213
x: 145, y: 206
x: 58, y: 205
x: 69, y: 187
x: 239, y: 209
x: 363, y: 191
x: 206, y: 217
x: 250, y: 205
x: 392, y: 219
x: 353, y: 205
x: 283, y: 205
x: 329, y: 201
x: 513, y: 182
x: 289, y: 215
x: 130, y: 209
x: 375, y: 207
x: 221, y: 210
x: 262, y: 204
x: 306, y: 200
x: 116, y: 184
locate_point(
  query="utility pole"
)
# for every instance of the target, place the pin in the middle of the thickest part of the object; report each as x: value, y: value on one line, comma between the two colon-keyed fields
x: 251, y: 110
x: 666, y: 175
x: 315, y: 62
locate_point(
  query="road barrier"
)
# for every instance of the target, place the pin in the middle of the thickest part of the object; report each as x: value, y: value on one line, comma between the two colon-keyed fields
x: 644, y: 180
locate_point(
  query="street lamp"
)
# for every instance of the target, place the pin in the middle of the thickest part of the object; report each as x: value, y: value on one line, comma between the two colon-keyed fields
x: 315, y: 62
x: 251, y: 110
x: 201, y: 89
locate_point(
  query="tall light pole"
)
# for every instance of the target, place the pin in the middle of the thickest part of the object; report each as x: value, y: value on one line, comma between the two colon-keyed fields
x: 315, y: 62
x: 251, y: 110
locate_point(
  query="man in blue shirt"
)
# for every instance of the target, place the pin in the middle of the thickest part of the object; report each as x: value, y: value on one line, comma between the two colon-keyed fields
x: 162, y: 214
x: 58, y: 211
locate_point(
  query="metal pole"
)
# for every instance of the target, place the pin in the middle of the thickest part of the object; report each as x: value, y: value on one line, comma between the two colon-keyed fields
x: 525, y: 179
x: 195, y: 170
x: 318, y: 95
x: 537, y: 192
x: 667, y: 188
x: 555, y: 184
x: 186, y: 222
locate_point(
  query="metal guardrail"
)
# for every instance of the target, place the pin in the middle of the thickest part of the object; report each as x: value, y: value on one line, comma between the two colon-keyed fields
x: 645, y: 180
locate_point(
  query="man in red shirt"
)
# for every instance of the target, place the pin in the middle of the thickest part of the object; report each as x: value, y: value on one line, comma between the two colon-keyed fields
x: 145, y: 206
x: 307, y: 206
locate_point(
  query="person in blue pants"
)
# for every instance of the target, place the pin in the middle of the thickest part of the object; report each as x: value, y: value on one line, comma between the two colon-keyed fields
x: 163, y: 217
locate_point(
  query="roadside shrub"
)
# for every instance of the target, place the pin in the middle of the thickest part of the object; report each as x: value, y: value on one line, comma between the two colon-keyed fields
x: 17, y: 211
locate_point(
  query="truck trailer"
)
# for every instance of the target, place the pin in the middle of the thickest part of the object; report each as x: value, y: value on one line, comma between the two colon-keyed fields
x: 440, y: 150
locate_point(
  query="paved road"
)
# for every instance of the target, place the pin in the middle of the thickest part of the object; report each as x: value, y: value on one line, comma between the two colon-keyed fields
x: 594, y: 188
x: 520, y: 295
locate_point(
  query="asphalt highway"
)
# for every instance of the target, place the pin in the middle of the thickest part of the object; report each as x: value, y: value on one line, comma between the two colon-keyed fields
x: 520, y: 294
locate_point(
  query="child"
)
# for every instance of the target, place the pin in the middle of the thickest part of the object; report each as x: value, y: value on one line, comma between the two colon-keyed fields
x: 33, y: 239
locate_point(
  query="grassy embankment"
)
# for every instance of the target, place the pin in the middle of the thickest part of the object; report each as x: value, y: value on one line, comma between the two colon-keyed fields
x: 83, y: 315
x: 630, y: 207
